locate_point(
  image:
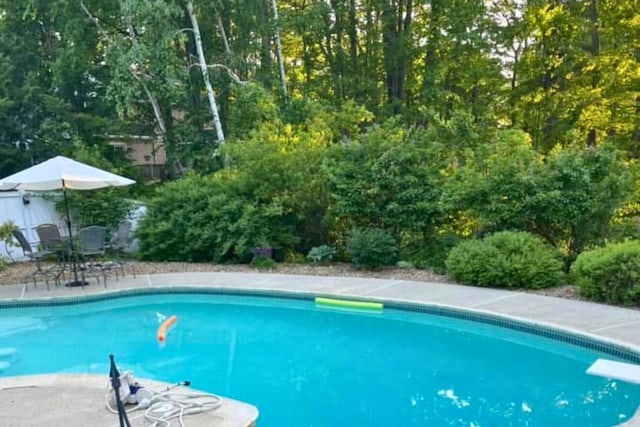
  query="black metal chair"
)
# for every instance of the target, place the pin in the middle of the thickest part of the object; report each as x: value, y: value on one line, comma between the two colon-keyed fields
x: 119, y: 243
x: 50, y: 238
x: 92, y: 248
x: 36, y: 256
x: 52, y: 241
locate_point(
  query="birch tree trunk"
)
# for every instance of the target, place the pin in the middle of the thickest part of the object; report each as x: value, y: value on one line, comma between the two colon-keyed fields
x: 223, y: 34
x: 595, y: 52
x: 283, y: 82
x: 205, y: 75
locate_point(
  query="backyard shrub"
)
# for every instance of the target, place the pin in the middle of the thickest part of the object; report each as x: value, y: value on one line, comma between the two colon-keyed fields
x: 567, y: 196
x: 432, y: 255
x: 6, y: 238
x: 188, y: 220
x: 610, y: 274
x: 322, y: 254
x: 371, y: 248
x: 292, y: 256
x: 262, y: 262
x: 506, y: 259
x: 6, y: 233
x: 262, y: 251
x: 389, y: 178
x: 202, y: 219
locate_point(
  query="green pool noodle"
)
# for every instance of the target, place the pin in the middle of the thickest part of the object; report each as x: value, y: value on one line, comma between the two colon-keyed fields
x: 349, y: 304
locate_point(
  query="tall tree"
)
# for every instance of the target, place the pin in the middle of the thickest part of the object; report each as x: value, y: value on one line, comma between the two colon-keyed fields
x: 397, y: 16
x: 202, y: 62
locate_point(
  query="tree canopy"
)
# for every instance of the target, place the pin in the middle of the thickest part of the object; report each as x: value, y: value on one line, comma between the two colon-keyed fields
x: 424, y: 118
x: 565, y: 72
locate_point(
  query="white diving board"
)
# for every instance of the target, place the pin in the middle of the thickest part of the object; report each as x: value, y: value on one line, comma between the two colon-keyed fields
x: 615, y: 370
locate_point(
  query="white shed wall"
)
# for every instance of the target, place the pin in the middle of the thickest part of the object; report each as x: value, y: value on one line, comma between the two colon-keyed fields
x: 26, y: 217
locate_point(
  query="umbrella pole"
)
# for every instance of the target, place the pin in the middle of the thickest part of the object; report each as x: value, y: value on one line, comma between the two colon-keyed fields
x: 72, y: 252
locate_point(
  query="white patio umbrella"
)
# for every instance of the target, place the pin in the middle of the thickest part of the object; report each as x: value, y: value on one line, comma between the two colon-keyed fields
x: 62, y: 173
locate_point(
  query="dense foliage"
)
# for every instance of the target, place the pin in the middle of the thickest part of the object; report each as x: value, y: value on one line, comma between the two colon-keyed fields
x: 322, y: 254
x: 430, y: 120
x: 6, y: 238
x: 610, y: 274
x: 273, y: 193
x: 371, y: 248
x: 506, y: 260
x: 388, y: 179
x: 569, y: 196
x: 564, y: 72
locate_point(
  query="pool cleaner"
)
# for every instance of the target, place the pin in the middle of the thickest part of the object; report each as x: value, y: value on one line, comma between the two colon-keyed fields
x: 160, y: 407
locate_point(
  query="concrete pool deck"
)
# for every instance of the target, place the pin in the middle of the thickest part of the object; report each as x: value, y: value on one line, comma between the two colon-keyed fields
x: 78, y: 400
x: 615, y: 325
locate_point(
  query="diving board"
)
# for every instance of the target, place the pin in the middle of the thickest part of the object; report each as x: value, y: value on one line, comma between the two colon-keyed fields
x: 616, y: 370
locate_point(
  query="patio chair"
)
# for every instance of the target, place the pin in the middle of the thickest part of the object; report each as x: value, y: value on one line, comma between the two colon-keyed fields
x: 36, y: 256
x: 120, y: 241
x: 50, y: 238
x: 92, y: 248
x: 52, y: 242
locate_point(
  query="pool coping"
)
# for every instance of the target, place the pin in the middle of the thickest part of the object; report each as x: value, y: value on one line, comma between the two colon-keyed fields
x: 75, y: 400
x: 447, y: 300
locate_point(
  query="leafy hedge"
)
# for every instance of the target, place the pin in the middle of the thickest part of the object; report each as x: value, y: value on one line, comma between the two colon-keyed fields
x: 610, y: 274
x: 371, y: 248
x: 568, y: 196
x: 196, y: 219
x: 272, y: 193
x: 506, y: 259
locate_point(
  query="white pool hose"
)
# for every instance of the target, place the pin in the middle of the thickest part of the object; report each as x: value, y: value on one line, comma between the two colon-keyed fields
x: 161, y: 407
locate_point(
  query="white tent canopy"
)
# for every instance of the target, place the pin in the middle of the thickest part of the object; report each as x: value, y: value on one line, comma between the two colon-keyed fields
x: 62, y: 173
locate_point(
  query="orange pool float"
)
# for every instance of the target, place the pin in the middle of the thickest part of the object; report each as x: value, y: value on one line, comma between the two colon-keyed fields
x: 164, y: 326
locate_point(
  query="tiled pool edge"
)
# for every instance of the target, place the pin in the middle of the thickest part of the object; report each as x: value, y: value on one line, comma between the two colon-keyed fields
x: 621, y: 350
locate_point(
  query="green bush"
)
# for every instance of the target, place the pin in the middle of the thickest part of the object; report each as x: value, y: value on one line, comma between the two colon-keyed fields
x: 322, y: 254
x: 371, y: 248
x: 568, y: 196
x: 389, y: 178
x: 432, y: 255
x: 6, y: 232
x: 610, y: 274
x: 262, y: 262
x: 6, y: 237
x: 202, y: 219
x: 506, y: 259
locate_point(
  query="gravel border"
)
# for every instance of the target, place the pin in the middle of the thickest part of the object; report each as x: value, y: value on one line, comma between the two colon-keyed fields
x: 16, y: 273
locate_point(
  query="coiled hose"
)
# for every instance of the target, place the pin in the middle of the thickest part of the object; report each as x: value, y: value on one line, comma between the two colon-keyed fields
x: 162, y: 407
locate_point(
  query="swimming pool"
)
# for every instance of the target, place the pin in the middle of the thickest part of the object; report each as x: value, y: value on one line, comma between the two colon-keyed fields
x: 307, y: 366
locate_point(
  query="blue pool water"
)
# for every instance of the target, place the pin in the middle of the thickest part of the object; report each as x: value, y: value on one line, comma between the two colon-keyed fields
x: 307, y: 366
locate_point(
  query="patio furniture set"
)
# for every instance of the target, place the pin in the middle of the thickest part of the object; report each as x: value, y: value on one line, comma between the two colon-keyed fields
x: 94, y: 252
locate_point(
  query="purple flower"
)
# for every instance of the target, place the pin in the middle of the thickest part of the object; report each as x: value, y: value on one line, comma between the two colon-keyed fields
x: 262, y: 251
